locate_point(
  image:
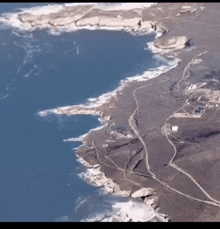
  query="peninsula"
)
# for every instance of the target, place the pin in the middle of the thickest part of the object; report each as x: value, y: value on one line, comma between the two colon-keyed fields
x: 160, y: 136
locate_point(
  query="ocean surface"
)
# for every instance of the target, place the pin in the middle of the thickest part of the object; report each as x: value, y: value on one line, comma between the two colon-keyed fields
x: 39, y: 71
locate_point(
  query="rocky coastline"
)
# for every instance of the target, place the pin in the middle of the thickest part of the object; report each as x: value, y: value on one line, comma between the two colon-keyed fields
x: 150, y: 146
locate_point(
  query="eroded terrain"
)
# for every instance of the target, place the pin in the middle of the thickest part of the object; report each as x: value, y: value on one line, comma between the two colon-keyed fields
x: 160, y: 135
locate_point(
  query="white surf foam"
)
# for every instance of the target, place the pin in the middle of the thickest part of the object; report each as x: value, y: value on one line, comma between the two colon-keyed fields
x: 43, y: 10
x: 82, y: 137
x: 104, y: 98
x: 81, y: 4
x: 121, y: 211
x: 57, y: 111
x: 12, y: 19
x: 5, y: 96
x: 149, y: 74
x: 95, y: 177
x: 72, y: 27
x: 63, y: 218
x: 81, y: 201
x: 116, y: 6
x: 55, y: 8
x: 30, y: 71
x: 30, y: 50
x: 125, y: 6
x: 128, y: 211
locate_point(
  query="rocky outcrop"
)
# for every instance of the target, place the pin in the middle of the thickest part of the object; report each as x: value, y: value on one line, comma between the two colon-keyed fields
x: 182, y: 170
x: 143, y: 192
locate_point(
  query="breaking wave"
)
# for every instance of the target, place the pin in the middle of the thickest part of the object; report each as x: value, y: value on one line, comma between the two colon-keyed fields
x: 12, y: 19
x: 122, y: 211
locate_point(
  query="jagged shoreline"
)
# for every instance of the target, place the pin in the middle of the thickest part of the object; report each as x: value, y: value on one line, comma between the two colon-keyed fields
x: 172, y: 42
x: 134, y: 26
x: 93, y: 175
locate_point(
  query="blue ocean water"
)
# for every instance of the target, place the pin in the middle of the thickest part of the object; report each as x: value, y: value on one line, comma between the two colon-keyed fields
x: 38, y: 71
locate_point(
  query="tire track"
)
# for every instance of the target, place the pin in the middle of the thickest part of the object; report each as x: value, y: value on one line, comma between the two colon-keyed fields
x: 131, y: 122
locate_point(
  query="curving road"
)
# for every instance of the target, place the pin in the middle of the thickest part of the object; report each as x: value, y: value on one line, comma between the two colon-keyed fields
x: 133, y: 126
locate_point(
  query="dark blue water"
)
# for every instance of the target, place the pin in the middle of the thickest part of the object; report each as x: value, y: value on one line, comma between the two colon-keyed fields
x: 38, y: 171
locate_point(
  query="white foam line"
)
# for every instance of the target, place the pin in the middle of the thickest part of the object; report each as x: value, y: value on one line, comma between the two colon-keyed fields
x: 82, y: 137
x: 150, y: 74
x: 53, y: 111
x: 116, y: 6
x: 126, y: 6
x: 55, y: 8
x: 77, y: 50
x: 43, y: 10
x: 31, y: 70
x: 5, y: 96
x: 94, y: 175
x: 72, y: 27
x: 97, y: 178
x: 122, y: 211
x: 81, y: 4
x: 81, y: 202
x: 84, y: 163
x: 11, y: 19
x: 127, y: 211
x: 102, y: 99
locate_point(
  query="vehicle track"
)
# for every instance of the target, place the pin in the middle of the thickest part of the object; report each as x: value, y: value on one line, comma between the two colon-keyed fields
x: 131, y: 122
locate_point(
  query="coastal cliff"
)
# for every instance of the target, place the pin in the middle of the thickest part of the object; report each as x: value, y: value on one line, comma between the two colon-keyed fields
x: 159, y: 140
